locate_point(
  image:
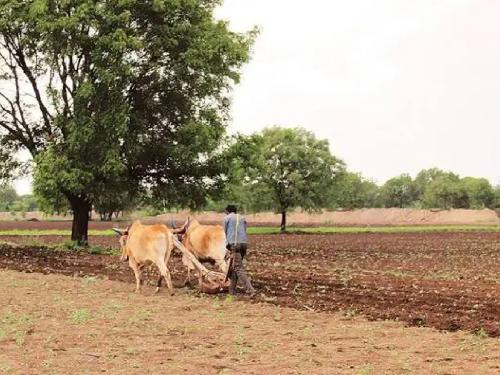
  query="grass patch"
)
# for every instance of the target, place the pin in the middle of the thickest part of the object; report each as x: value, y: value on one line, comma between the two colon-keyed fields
x: 5, y: 367
x: 380, y: 229
x: 442, y: 275
x: 398, y: 273
x: 92, y: 249
x: 51, y: 232
x: 16, y: 327
x: 81, y: 316
x: 141, y: 317
x: 291, y: 230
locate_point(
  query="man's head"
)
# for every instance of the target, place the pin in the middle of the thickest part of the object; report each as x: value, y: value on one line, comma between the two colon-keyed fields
x: 231, y: 209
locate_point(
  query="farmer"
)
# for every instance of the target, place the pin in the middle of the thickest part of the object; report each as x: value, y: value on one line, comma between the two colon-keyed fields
x: 235, y: 227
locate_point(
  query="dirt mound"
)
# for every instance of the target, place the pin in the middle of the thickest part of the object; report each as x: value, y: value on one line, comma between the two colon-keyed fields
x: 362, y: 217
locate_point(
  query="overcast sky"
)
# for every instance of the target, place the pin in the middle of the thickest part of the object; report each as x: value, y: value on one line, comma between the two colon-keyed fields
x: 394, y: 85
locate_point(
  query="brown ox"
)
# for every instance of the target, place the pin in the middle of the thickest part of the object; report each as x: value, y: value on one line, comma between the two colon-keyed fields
x: 143, y: 244
x: 206, y: 242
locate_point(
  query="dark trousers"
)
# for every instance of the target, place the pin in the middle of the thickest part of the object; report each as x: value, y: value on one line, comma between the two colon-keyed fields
x: 238, y: 273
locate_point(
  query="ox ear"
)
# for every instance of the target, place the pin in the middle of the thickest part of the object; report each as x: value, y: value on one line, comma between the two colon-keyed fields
x: 118, y: 231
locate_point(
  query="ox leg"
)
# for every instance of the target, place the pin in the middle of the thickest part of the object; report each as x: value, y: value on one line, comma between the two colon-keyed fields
x: 166, y: 274
x: 187, y: 282
x: 222, y: 265
x: 137, y: 271
x: 189, y: 266
x: 168, y: 279
x: 200, y: 280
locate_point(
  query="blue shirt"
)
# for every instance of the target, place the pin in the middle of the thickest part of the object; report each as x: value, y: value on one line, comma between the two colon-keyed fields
x: 235, y: 227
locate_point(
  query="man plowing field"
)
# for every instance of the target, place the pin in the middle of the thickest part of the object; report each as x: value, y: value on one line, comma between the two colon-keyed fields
x: 235, y: 228
x: 197, y: 243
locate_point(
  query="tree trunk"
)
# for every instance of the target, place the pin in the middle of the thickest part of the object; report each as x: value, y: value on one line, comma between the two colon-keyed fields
x: 283, y: 221
x: 80, y: 227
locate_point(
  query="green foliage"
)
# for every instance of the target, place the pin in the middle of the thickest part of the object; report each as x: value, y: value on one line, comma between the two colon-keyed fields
x: 398, y: 191
x: 9, y: 166
x: 352, y: 191
x: 80, y: 316
x: 446, y: 191
x: 113, y: 202
x: 250, y: 195
x: 426, y: 177
x: 8, y: 196
x: 136, y: 95
x: 291, y: 164
x: 479, y: 191
x: 10, y: 201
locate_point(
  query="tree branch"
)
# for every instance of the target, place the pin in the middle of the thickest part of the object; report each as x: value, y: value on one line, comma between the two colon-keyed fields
x: 17, y: 53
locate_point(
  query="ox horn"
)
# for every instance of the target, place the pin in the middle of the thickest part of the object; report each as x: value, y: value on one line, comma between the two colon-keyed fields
x: 118, y: 231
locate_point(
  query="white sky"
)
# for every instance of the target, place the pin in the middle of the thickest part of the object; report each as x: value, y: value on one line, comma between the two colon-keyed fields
x: 395, y: 85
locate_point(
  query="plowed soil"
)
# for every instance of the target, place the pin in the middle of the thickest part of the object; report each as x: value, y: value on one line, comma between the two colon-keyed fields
x: 450, y: 281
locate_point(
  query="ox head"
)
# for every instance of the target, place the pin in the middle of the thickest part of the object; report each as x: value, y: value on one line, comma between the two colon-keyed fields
x: 123, y: 236
x: 183, y: 229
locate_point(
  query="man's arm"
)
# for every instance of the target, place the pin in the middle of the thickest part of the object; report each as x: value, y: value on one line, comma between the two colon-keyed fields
x: 226, y: 223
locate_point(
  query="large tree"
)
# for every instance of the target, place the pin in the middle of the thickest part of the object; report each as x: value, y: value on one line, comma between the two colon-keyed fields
x: 106, y: 92
x: 480, y: 192
x: 446, y: 191
x: 351, y: 191
x: 425, y: 178
x: 398, y: 191
x: 496, y: 203
x: 297, y: 168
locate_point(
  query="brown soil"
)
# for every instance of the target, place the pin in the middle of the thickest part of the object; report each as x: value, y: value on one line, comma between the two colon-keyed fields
x: 449, y: 281
x: 53, y: 324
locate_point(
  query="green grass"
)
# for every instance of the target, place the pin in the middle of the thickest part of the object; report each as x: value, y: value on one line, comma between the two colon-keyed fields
x: 80, y: 316
x: 384, y: 229
x: 274, y: 230
x: 51, y: 232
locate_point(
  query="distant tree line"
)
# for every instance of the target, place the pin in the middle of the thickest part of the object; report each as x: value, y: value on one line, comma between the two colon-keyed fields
x: 431, y: 189
x: 281, y: 169
x: 10, y: 201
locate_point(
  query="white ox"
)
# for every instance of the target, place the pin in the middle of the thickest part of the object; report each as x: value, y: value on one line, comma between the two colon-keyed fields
x: 143, y: 244
x: 206, y: 242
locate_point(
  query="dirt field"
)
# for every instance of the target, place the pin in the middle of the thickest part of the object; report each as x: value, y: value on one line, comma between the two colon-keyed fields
x: 53, y: 324
x: 449, y: 281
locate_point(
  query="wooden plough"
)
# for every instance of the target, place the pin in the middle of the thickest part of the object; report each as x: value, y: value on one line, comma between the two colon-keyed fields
x: 211, y: 282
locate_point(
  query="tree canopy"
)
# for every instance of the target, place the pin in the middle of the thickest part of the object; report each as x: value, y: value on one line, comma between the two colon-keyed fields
x: 352, y: 191
x: 292, y: 165
x: 129, y: 93
x: 398, y: 191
